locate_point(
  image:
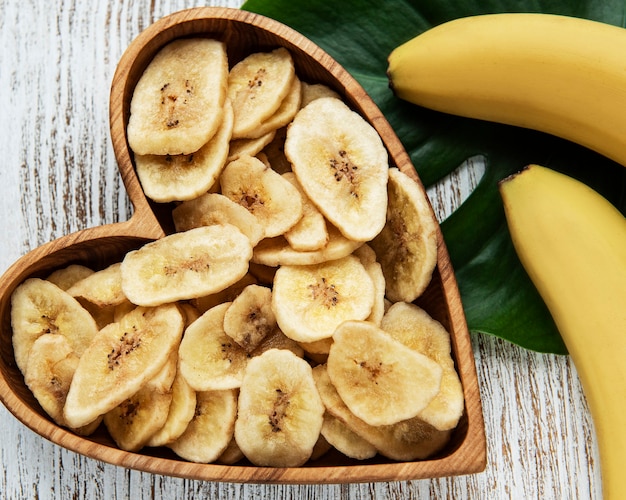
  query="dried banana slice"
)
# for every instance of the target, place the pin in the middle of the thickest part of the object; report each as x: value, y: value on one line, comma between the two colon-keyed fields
x: 164, y: 379
x: 380, y: 379
x: 232, y: 454
x: 166, y: 178
x: 274, y: 252
x: 311, y: 301
x: 366, y: 254
x: 283, y: 115
x: 375, y: 271
x: 186, y: 265
x: 312, y: 91
x: 39, y: 307
x: 310, y: 232
x: 273, y: 201
x: 249, y: 147
x: 102, y: 288
x: 51, y: 366
x: 210, y: 360
x: 67, y: 276
x: 280, y: 411
x: 178, y: 102
x: 250, y: 318
x: 407, y: 245
x: 215, y: 208
x: 317, y: 347
x: 411, y: 439
x: 180, y: 413
x: 345, y: 440
x: 342, y: 164
x: 257, y: 86
x: 136, y: 419
x: 120, y: 360
x: 416, y: 329
x: 210, y: 430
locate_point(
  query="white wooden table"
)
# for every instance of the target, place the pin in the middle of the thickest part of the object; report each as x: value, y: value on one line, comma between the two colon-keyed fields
x: 58, y: 175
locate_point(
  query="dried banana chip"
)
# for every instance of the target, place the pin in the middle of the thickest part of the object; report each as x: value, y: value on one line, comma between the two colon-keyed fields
x: 67, y: 276
x: 186, y: 265
x: 136, y: 419
x: 310, y: 232
x: 178, y: 102
x: 49, y: 372
x: 312, y: 91
x: 280, y: 411
x: 210, y: 360
x: 408, y: 440
x: 274, y: 252
x: 102, y: 288
x: 210, y: 430
x: 275, y: 203
x: 215, y: 208
x: 407, y: 245
x: 342, y: 164
x: 311, y: 301
x: 257, y: 86
x: 283, y: 115
x: 39, y: 307
x: 367, y: 257
x: 249, y: 147
x: 317, y: 347
x: 167, y: 178
x: 380, y: 379
x: 232, y: 454
x: 120, y: 360
x: 249, y: 318
x: 345, y: 440
x: 416, y: 329
x: 180, y: 413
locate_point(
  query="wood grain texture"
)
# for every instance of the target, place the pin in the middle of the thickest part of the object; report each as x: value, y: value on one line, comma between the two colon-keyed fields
x: 59, y: 175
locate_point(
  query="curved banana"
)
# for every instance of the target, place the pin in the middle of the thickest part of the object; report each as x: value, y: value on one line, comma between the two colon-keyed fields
x: 561, y: 75
x: 572, y: 243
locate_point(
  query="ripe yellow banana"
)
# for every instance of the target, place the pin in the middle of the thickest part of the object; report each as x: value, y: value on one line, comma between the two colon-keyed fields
x: 572, y: 243
x: 556, y: 74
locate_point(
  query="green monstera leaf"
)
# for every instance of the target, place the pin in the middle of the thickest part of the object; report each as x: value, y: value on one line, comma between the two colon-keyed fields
x: 498, y: 297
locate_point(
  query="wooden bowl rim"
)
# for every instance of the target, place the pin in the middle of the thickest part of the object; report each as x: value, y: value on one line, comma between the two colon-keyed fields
x: 469, y: 456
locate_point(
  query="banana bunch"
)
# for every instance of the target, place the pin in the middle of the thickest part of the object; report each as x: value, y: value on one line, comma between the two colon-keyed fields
x: 572, y: 243
x: 563, y: 76
x: 560, y: 75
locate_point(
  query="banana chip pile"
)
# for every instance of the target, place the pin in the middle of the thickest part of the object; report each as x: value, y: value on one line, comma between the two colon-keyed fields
x: 277, y: 322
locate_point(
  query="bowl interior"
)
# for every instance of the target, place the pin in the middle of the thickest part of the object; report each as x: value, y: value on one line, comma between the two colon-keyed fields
x: 243, y: 33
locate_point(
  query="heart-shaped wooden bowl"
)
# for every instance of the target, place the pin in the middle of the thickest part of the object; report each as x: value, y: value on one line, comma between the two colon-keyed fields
x: 243, y: 33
